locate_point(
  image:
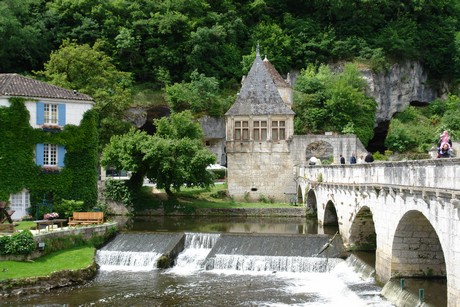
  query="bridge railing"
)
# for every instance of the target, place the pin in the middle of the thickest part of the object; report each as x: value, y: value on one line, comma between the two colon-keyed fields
x: 432, y: 173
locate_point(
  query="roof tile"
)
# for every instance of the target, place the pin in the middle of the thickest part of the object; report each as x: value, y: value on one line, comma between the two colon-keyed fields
x: 20, y: 86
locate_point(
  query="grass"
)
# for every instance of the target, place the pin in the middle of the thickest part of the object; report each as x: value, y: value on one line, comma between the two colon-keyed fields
x: 69, y: 259
x: 194, y: 198
x: 25, y: 225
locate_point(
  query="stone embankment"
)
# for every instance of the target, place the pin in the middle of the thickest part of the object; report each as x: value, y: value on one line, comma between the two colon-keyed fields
x: 298, y: 211
x: 39, y: 285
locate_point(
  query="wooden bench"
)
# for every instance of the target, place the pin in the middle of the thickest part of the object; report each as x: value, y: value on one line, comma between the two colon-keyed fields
x: 86, y: 218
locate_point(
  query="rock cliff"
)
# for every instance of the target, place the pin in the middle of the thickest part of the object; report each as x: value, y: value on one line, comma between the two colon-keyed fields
x: 402, y: 85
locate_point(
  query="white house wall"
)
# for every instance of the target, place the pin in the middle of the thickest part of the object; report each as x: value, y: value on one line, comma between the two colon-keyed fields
x: 74, y: 110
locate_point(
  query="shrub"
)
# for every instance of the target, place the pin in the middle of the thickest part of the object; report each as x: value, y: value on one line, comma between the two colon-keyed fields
x: 263, y: 199
x: 67, y: 207
x: 118, y: 191
x: 21, y: 243
x: 380, y: 157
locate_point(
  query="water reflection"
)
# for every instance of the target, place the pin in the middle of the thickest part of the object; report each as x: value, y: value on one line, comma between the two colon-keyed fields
x: 222, y: 224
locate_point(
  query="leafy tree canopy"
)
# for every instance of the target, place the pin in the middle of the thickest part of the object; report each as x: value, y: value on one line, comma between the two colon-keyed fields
x: 325, y: 101
x: 201, y: 95
x: 89, y: 70
x: 173, y: 157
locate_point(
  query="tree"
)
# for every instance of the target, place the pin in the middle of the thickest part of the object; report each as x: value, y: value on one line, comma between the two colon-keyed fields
x: 89, y: 70
x: 24, y: 38
x: 173, y: 157
x: 201, y: 96
x: 333, y: 102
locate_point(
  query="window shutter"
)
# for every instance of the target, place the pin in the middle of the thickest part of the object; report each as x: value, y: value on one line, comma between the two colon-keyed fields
x: 61, y: 155
x: 40, y: 113
x: 61, y: 114
x: 39, y: 154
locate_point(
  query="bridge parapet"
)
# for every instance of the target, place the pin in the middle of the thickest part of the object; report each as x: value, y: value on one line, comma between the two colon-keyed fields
x: 423, y: 174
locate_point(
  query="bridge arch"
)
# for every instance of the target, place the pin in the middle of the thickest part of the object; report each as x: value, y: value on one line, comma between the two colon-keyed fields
x: 311, y: 203
x: 300, y: 195
x: 363, y: 236
x: 416, y: 249
x: 330, y: 215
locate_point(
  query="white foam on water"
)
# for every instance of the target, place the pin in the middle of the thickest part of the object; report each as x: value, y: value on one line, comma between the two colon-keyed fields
x: 126, y: 261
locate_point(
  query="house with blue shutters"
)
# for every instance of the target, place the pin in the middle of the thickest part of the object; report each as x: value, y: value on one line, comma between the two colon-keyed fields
x: 51, y: 108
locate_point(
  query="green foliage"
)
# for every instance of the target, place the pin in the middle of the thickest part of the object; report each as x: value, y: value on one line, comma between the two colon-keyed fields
x: 77, y: 180
x: 118, y: 191
x: 66, y: 208
x: 218, y: 173
x: 333, y: 102
x: 21, y: 243
x: 70, y: 261
x: 163, y: 42
x: 89, y: 70
x: 201, y: 96
x: 417, y: 129
x: 379, y: 156
x: 173, y: 157
x: 398, y: 138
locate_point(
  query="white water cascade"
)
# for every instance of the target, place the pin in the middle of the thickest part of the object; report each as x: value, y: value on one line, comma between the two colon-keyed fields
x: 197, y: 248
x: 126, y: 261
x: 134, y: 251
x: 273, y: 263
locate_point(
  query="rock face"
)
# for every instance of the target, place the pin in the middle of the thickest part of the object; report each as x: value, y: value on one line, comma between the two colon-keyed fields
x: 404, y: 84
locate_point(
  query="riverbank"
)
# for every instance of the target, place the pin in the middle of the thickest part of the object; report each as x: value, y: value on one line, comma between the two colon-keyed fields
x: 64, y: 257
x: 56, y: 270
x: 297, y: 211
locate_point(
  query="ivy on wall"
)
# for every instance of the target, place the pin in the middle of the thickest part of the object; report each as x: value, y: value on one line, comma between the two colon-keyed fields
x: 77, y: 180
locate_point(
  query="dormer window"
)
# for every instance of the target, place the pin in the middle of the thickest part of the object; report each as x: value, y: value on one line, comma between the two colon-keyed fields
x: 278, y: 130
x: 241, y: 130
x: 260, y: 130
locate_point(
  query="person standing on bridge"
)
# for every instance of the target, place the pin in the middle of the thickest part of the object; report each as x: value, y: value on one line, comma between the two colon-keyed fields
x: 369, y: 158
x: 342, y: 160
x: 353, y: 159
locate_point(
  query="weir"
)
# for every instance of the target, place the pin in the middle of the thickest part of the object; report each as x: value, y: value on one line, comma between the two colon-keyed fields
x: 277, y: 245
x: 253, y: 252
x: 138, y: 251
x: 286, y: 253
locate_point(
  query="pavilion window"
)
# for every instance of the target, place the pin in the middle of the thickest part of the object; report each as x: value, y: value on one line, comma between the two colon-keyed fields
x: 278, y: 130
x: 241, y: 130
x: 260, y: 130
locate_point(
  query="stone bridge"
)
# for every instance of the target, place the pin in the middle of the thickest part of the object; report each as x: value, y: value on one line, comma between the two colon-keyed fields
x: 408, y: 212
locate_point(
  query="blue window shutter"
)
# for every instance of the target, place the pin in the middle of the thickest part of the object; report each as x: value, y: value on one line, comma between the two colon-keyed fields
x: 39, y: 154
x: 40, y: 113
x: 61, y: 114
x: 61, y: 155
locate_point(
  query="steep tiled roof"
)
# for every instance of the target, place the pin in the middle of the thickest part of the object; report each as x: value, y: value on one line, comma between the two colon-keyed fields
x: 279, y: 81
x: 20, y: 86
x: 258, y: 94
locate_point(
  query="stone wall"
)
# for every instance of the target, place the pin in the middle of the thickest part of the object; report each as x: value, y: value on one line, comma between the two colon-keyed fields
x: 342, y: 145
x: 429, y: 173
x: 263, y: 174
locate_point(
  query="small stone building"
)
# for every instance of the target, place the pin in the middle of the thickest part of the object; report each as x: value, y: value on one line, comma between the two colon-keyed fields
x: 263, y: 153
